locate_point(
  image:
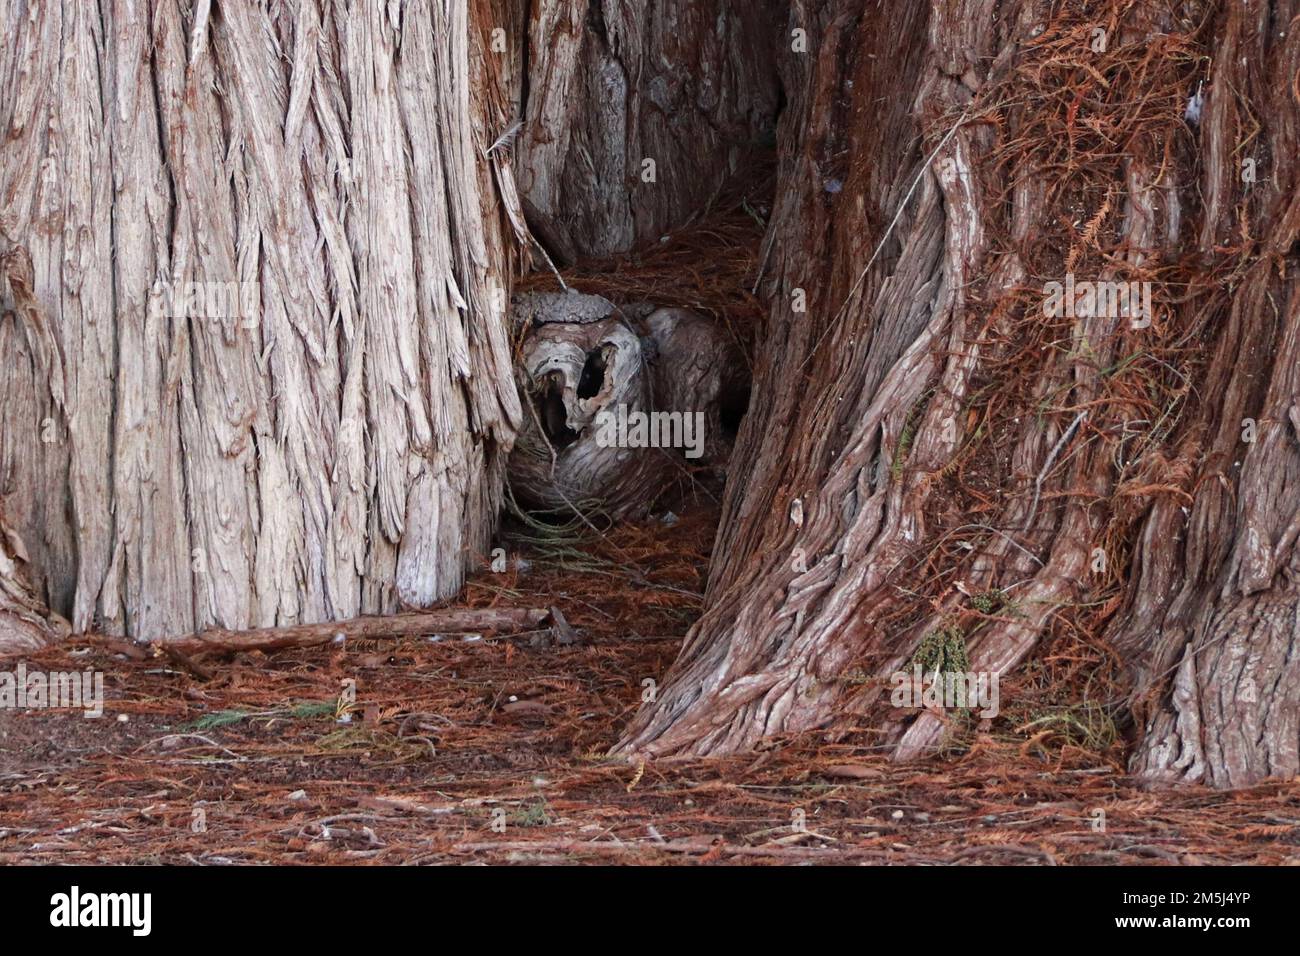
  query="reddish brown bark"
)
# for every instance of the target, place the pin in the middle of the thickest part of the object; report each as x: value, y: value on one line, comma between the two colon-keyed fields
x: 940, y: 438
x: 921, y: 434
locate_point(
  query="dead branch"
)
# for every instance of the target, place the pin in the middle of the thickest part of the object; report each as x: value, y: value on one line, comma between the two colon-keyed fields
x: 441, y: 621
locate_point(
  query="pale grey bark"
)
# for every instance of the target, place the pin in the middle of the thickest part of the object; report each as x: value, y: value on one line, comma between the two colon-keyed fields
x: 25, y: 623
x: 620, y: 402
x: 341, y: 450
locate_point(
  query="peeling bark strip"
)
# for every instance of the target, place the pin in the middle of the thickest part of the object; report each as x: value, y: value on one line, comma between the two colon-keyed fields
x: 341, y: 451
x: 939, y: 435
x: 31, y: 352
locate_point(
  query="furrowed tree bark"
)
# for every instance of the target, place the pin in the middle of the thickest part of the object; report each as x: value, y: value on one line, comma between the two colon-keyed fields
x: 25, y: 623
x: 923, y: 433
x: 336, y: 449
x: 1214, y: 589
x: 637, y: 113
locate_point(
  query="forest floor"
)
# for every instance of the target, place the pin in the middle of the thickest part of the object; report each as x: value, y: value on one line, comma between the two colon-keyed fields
x: 492, y: 750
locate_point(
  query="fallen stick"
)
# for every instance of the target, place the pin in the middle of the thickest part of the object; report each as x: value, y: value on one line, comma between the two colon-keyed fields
x: 187, y: 662
x: 441, y: 621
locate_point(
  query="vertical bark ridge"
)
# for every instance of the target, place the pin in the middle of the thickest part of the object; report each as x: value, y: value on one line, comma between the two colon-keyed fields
x: 687, y: 84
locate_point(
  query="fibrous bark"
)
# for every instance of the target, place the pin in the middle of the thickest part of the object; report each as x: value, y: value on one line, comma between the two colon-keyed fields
x: 335, y: 446
x: 687, y: 85
x: 925, y: 433
x: 25, y: 624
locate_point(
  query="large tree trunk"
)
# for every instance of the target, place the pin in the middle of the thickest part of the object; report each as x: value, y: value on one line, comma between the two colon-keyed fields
x: 336, y: 445
x: 925, y: 433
